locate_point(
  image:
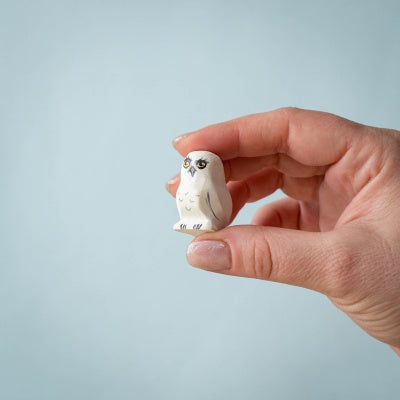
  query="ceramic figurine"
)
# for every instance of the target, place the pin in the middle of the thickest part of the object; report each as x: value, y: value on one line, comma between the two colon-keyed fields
x: 203, y: 200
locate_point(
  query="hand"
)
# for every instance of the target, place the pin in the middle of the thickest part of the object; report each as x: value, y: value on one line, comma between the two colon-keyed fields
x: 338, y: 229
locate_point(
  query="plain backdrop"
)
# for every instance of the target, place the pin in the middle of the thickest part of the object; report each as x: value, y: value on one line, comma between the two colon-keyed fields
x: 96, y: 298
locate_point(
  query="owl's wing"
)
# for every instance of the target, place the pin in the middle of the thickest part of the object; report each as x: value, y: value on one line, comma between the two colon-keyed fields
x: 219, y: 203
x: 214, y: 206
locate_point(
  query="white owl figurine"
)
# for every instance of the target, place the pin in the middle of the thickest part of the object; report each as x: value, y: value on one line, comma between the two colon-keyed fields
x: 203, y: 200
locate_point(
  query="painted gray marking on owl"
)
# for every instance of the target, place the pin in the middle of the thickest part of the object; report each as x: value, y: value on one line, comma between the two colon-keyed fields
x: 203, y: 200
x: 209, y: 203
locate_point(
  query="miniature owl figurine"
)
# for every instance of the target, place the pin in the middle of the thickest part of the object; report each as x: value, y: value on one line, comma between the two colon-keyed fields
x: 203, y: 200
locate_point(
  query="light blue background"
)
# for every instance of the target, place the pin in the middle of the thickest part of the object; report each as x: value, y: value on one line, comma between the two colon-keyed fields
x: 96, y: 298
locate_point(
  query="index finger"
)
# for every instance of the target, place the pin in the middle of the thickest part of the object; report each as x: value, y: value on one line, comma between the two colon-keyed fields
x: 311, y: 137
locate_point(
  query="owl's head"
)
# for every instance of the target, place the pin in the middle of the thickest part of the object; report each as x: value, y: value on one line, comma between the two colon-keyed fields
x: 200, y: 164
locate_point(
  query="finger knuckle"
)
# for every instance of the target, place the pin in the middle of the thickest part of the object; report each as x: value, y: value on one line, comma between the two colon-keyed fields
x: 258, y: 258
x: 340, y: 269
x: 288, y: 111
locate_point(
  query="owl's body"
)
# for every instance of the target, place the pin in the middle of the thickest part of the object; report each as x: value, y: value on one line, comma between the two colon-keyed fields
x: 203, y: 200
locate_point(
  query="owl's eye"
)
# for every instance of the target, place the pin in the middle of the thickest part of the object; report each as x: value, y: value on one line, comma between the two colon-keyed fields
x: 186, y: 162
x: 201, y: 164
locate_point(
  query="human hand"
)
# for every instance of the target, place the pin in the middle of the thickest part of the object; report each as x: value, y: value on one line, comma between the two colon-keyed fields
x: 338, y: 229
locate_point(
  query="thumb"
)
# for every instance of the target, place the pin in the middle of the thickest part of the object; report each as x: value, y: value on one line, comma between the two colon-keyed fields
x: 308, y: 259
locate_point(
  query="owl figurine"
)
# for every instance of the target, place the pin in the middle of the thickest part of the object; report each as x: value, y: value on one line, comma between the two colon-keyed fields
x: 203, y: 200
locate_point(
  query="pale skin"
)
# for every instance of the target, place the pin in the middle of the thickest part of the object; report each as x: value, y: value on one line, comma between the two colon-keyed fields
x: 338, y: 229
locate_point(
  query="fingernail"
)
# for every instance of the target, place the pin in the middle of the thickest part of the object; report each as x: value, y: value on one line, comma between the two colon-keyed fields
x: 179, y: 138
x: 209, y: 254
x: 172, y: 182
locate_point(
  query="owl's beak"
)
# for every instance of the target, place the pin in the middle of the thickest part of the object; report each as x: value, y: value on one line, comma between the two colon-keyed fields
x: 192, y: 170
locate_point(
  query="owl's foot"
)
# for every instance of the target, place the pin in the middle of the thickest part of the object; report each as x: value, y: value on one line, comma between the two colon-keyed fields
x: 194, y: 228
